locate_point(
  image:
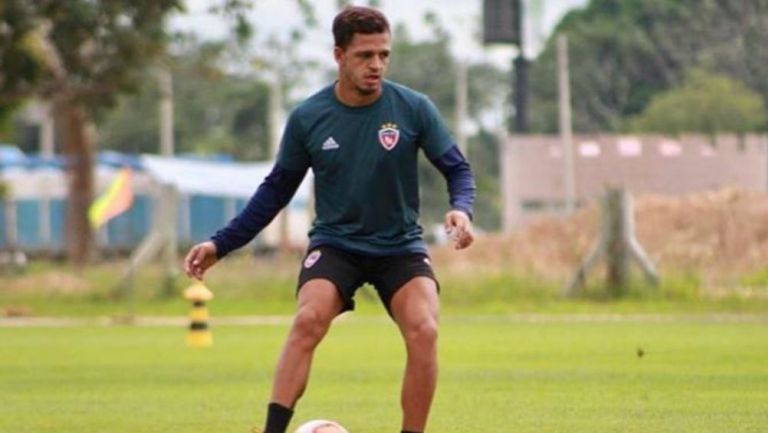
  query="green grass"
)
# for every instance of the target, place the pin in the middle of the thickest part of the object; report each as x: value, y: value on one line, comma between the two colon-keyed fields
x: 498, y: 374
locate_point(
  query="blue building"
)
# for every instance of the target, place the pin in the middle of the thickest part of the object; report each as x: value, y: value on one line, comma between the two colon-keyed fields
x: 209, y: 193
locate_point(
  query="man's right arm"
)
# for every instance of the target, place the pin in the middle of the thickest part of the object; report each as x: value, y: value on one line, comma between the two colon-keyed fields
x: 272, y: 195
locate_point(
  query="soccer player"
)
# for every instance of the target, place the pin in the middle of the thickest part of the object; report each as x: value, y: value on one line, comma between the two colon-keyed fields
x: 361, y: 137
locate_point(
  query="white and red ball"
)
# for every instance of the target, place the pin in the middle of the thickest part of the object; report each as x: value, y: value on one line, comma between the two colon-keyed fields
x: 321, y: 426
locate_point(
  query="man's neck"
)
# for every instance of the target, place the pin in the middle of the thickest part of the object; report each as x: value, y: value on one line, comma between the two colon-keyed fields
x: 351, y: 97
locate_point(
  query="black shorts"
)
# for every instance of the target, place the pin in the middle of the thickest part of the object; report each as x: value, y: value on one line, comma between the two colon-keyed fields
x: 349, y: 271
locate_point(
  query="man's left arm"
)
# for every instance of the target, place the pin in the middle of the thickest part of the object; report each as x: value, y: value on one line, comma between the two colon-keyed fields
x: 461, y: 191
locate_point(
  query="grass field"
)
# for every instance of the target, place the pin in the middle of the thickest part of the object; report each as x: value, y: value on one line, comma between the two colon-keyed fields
x: 504, y: 374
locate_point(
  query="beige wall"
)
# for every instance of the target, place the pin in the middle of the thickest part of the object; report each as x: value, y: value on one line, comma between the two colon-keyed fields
x: 532, y: 168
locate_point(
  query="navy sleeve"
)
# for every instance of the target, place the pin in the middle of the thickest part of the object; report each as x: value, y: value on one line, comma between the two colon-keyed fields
x: 272, y: 195
x: 458, y: 175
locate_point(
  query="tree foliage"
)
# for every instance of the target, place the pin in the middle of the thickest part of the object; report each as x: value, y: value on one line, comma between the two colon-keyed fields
x: 91, y: 50
x: 704, y: 103
x: 624, y: 52
x: 79, y: 54
x: 222, y: 93
x: 215, y: 111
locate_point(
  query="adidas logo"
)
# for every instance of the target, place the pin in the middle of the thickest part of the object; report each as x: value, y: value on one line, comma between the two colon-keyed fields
x: 330, y: 144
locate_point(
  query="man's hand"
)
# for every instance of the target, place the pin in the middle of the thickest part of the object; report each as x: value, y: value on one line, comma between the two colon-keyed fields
x: 201, y: 257
x: 458, y: 226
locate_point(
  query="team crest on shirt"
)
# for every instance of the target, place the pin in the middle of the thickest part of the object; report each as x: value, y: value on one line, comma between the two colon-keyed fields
x: 312, y: 258
x: 389, y: 135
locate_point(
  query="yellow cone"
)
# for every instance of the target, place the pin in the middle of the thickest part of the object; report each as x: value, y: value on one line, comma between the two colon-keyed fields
x: 199, y: 333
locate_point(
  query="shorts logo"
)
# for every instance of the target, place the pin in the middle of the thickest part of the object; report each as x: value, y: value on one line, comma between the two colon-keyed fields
x: 426, y: 260
x: 389, y: 135
x: 312, y: 258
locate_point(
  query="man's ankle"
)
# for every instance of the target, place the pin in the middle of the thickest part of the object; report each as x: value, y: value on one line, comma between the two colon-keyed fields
x: 278, y: 418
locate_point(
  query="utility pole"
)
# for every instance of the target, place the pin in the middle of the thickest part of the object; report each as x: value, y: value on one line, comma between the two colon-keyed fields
x: 566, y: 124
x: 47, y: 150
x: 168, y: 198
x: 275, y: 125
x: 461, y: 105
x: 520, y: 74
x: 47, y: 131
x: 165, y: 85
x: 503, y: 23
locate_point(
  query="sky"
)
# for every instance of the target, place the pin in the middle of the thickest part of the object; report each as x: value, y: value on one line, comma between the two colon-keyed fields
x: 461, y: 17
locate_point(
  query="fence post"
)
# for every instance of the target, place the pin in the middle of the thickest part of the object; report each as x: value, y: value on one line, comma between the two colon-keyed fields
x: 617, y: 245
x: 616, y: 254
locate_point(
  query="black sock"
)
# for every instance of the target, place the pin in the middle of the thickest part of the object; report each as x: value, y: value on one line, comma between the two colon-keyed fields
x: 278, y: 418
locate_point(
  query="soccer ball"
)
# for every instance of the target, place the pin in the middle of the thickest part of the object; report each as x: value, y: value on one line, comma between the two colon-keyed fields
x: 320, y: 426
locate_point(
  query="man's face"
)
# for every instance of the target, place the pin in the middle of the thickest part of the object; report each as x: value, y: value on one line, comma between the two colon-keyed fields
x: 363, y: 63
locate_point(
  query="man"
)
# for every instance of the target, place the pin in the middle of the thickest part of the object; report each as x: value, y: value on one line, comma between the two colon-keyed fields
x: 361, y: 137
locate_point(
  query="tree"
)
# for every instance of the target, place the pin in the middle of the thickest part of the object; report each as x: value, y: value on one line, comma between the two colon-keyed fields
x: 79, y: 54
x: 217, y: 111
x: 225, y: 86
x: 707, y: 103
x: 627, y: 51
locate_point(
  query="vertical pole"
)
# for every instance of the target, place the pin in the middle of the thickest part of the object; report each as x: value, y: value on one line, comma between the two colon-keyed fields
x: 566, y: 127
x: 47, y: 146
x: 185, y: 219
x: 509, y: 186
x: 165, y: 84
x: 520, y: 96
x: 11, y: 223
x: 275, y: 125
x: 617, y: 252
x: 168, y: 197
x: 275, y: 114
x: 47, y: 132
x: 167, y: 213
x: 461, y: 105
x: 521, y: 75
x: 45, y: 218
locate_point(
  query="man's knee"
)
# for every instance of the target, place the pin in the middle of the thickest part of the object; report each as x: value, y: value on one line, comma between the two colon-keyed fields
x: 422, y: 334
x: 309, y: 326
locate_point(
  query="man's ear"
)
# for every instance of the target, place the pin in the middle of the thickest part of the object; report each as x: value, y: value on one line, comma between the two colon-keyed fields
x: 338, y: 54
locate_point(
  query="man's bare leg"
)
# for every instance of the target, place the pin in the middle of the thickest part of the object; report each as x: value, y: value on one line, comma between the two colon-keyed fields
x: 318, y: 303
x: 415, y: 308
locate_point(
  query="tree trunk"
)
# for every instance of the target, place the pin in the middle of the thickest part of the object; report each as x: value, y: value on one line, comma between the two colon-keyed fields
x: 78, y: 150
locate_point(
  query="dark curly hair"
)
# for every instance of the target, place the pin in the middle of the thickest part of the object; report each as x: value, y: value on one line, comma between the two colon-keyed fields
x: 357, y: 19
